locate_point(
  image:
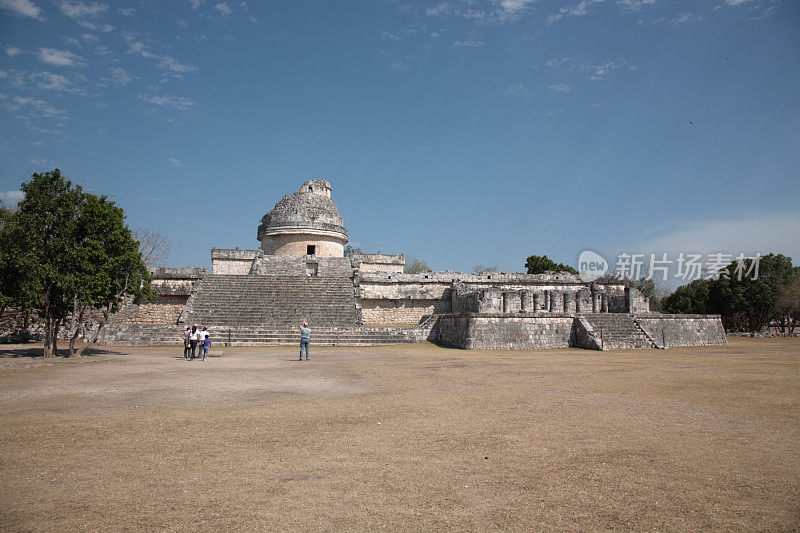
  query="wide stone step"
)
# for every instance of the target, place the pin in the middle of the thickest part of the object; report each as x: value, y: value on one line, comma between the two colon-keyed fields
x: 239, y: 300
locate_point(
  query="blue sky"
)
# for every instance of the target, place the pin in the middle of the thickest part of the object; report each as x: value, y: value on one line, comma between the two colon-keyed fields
x: 463, y: 132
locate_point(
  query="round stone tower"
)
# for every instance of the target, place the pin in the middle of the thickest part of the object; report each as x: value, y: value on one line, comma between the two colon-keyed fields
x: 306, y: 222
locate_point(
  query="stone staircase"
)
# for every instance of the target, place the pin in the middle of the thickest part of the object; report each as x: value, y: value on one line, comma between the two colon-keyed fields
x: 258, y: 335
x: 222, y: 300
x: 618, y: 331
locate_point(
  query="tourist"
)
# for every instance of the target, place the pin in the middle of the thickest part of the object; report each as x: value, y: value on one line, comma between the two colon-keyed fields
x: 185, y: 337
x: 194, y: 335
x: 206, y: 343
x: 305, y: 338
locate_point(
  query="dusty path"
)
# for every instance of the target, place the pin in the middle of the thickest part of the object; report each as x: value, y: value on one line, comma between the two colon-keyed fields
x: 403, y: 438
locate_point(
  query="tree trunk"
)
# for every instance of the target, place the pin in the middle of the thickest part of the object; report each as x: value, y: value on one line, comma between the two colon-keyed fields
x: 47, y: 351
x: 100, y: 326
x: 56, y: 327
x: 76, y: 322
x: 27, y: 323
x: 73, y: 317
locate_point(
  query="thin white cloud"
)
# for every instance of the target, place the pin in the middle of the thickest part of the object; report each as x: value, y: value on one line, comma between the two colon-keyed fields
x: 223, y: 8
x: 79, y: 10
x: 127, y: 11
x: 196, y: 4
x: 518, y: 89
x: 34, y: 106
x: 468, y: 43
x: 11, y: 198
x: 23, y: 8
x: 514, y: 6
x: 119, y: 77
x: 165, y: 62
x: 442, y: 8
x: 592, y: 70
x: 560, y: 88
x: 579, y: 9
x: 103, y: 50
x: 178, y: 102
x: 176, y: 162
x: 60, y: 58
x: 500, y: 11
x: 764, y: 233
x: 635, y: 5
x: 86, y: 14
x: 53, y: 82
x: 679, y: 18
x: 399, y: 66
x: 13, y: 51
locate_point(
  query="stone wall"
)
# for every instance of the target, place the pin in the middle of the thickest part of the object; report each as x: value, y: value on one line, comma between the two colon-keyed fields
x: 683, y: 330
x: 164, y: 309
x: 452, y: 330
x: 296, y: 244
x: 232, y: 262
x: 400, y: 311
x: 501, y: 332
x: 389, y: 263
x: 278, y: 265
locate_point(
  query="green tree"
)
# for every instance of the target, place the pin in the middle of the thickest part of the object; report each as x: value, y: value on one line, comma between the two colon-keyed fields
x: 64, y: 251
x: 787, y: 304
x: 692, y: 298
x: 539, y: 264
x: 107, y: 265
x: 743, y: 300
x: 755, y: 299
x: 349, y: 251
x: 415, y: 265
x: 483, y: 269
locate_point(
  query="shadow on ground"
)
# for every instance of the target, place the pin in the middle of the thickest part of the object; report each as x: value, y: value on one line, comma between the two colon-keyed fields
x: 13, y: 352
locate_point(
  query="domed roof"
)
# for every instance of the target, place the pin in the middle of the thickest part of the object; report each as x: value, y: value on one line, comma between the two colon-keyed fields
x: 311, y: 208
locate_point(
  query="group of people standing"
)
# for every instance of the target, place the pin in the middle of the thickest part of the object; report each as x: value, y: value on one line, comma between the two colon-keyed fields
x: 194, y: 338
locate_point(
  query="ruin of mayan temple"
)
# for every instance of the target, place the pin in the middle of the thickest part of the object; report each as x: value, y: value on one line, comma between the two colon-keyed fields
x: 299, y: 272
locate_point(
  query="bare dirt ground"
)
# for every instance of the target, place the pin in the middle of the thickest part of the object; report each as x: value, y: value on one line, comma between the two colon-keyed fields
x: 412, y: 437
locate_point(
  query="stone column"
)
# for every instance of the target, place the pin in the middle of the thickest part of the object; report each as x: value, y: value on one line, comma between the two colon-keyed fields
x: 569, y: 302
x: 547, y: 297
x: 556, y: 302
x: 536, y: 302
x: 604, y: 304
x: 523, y: 301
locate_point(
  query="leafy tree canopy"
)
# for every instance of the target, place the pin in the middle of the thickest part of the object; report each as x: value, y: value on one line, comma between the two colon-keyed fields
x: 350, y: 251
x: 65, y: 251
x: 539, y: 264
x: 745, y: 303
x: 415, y: 265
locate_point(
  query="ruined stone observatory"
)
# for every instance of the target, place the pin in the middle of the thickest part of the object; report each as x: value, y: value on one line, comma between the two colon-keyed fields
x: 306, y: 222
x: 299, y: 272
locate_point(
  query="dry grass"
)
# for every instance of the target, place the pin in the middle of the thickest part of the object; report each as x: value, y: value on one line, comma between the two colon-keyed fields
x: 404, y: 438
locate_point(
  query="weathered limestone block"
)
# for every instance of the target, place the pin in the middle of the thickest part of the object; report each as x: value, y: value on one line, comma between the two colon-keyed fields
x: 683, y: 330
